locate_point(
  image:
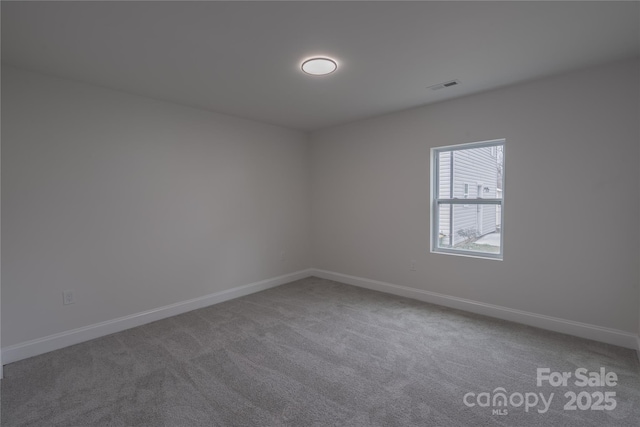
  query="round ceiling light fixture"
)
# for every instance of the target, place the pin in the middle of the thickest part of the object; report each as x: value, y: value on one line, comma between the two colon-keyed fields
x: 319, y: 66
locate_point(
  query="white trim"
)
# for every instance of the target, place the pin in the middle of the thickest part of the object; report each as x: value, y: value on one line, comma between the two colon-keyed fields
x: 471, y: 145
x: 579, y: 329
x: 437, y: 200
x: 43, y: 345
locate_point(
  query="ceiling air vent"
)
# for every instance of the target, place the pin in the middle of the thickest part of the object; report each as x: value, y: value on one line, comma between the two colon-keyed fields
x: 444, y: 85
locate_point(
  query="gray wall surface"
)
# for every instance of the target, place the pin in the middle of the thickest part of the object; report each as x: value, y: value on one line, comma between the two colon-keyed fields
x: 136, y: 204
x: 571, y: 164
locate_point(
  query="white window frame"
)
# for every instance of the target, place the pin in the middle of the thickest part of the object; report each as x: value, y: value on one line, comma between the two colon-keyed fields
x: 436, y: 200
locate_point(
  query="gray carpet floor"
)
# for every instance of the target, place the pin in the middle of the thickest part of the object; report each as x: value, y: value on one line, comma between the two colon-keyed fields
x: 319, y: 353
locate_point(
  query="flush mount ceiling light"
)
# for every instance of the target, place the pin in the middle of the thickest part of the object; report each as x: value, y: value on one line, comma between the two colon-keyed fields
x: 319, y: 66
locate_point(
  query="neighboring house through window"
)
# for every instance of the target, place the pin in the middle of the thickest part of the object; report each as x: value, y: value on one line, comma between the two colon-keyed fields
x: 461, y: 223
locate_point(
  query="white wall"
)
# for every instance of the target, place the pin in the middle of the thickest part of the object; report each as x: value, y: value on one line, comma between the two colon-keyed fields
x: 135, y: 203
x: 572, y: 206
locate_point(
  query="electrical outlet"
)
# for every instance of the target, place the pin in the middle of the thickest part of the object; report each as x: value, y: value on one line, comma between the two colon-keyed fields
x: 283, y: 255
x: 412, y: 265
x: 68, y: 297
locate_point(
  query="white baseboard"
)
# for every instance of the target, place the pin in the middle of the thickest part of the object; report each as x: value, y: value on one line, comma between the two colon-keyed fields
x: 583, y: 330
x: 43, y: 345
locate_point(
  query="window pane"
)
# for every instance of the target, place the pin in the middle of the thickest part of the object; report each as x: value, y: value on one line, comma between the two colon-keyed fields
x: 444, y: 175
x: 469, y: 227
x: 470, y: 173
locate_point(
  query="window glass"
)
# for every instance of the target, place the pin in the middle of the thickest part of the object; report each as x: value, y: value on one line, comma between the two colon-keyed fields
x: 467, y: 218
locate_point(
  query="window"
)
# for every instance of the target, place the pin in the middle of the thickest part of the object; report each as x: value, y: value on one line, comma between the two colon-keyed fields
x: 460, y: 223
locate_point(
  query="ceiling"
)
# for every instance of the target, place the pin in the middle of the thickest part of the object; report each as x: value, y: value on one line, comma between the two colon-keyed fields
x: 243, y: 58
